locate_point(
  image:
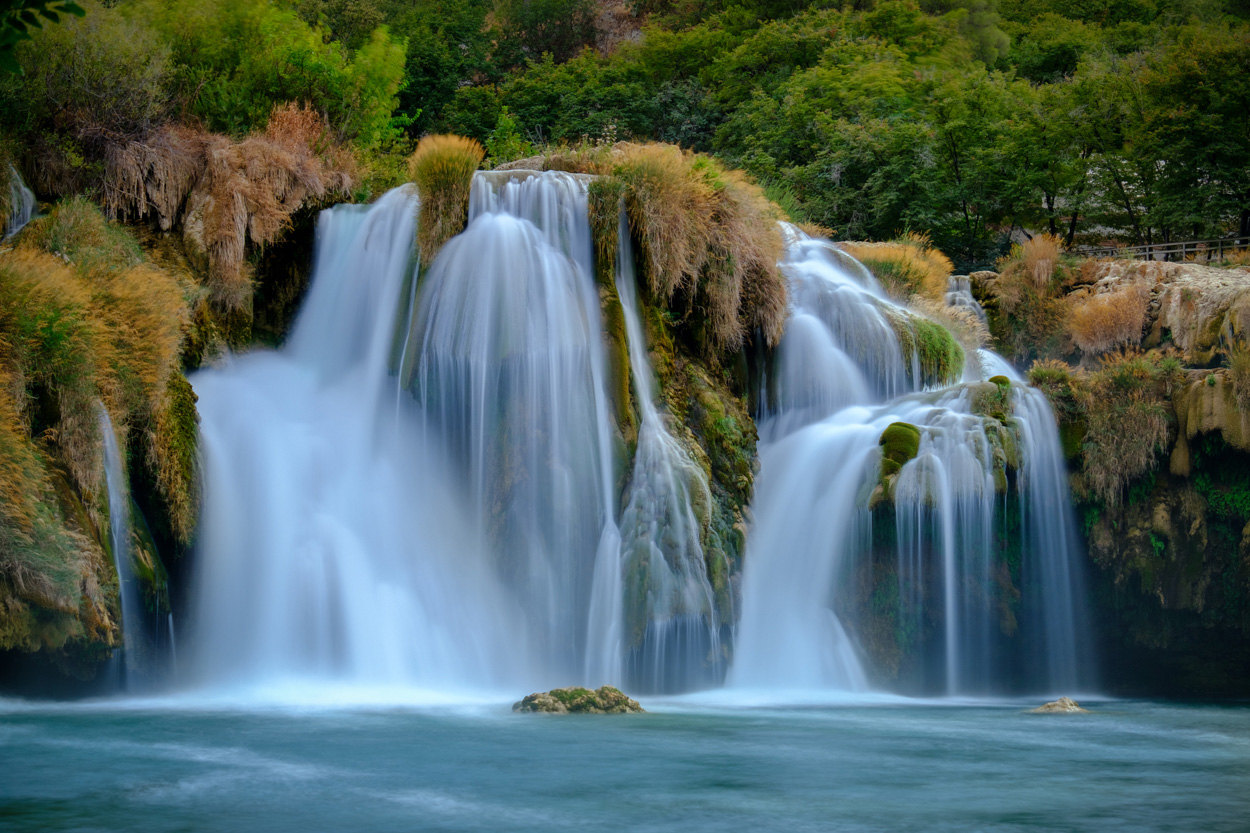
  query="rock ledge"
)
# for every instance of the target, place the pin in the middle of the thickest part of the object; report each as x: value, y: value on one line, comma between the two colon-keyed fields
x: 576, y: 700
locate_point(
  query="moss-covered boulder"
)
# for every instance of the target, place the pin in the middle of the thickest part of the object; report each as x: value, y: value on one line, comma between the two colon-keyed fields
x: 900, y: 443
x: 1064, y: 705
x: 938, y: 355
x: 577, y: 700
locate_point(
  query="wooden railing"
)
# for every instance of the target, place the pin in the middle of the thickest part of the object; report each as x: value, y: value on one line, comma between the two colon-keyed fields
x: 1202, y: 251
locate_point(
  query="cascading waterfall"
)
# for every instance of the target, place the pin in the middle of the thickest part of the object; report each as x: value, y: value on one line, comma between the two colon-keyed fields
x: 21, y: 204
x: 509, y: 368
x: 419, y: 488
x: 670, y: 615
x: 840, y: 380
x: 119, y: 537
x: 334, y: 545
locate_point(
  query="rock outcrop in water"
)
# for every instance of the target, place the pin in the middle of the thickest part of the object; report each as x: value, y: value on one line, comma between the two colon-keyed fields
x: 1064, y: 705
x: 604, y: 700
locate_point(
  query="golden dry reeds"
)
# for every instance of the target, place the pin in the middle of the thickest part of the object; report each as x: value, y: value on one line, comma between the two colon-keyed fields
x: 99, y: 328
x: 228, y: 193
x: 905, y: 267
x: 708, y: 234
x: 1124, y: 405
x: 671, y: 213
x: 1112, y: 320
x: 1040, y: 256
x: 442, y: 168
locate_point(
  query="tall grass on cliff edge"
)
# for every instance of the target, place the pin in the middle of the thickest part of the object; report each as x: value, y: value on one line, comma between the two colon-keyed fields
x: 905, y: 267
x: 442, y: 168
x: 707, y: 234
x: 228, y: 192
x: 84, y: 320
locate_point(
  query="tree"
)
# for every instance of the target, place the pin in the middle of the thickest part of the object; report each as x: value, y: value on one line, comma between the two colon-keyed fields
x: 18, y: 17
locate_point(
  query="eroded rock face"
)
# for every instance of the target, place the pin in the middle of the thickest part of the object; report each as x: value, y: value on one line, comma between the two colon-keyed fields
x: 1192, y: 306
x: 576, y: 700
x: 1064, y: 705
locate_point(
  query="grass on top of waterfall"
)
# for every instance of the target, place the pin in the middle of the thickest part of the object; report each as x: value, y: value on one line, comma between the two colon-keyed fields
x: 708, y: 237
x: 442, y: 168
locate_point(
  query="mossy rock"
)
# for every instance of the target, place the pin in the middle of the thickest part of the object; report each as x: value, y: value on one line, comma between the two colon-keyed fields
x: 577, y: 700
x: 1001, y: 381
x: 939, y: 355
x: 900, y: 443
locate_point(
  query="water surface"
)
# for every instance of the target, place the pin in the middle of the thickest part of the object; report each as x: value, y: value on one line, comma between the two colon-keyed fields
x: 683, y: 766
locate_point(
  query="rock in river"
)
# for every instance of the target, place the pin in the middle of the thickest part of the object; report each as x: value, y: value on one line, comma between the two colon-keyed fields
x: 606, y: 700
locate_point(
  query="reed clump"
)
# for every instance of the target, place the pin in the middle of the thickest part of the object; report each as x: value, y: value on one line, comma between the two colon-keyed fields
x: 1110, y: 321
x: 707, y: 236
x: 229, y: 193
x: 1029, y: 317
x: 1039, y: 256
x: 906, y: 267
x: 1124, y: 406
x: 442, y: 168
x: 86, y: 323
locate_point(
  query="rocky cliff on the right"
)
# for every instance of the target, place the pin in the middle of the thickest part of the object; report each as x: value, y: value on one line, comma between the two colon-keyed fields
x: 1147, y: 365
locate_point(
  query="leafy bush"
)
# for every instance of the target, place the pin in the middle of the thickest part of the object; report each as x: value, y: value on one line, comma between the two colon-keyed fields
x: 234, y: 60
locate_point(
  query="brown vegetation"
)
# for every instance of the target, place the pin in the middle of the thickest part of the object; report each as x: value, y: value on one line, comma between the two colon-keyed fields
x: 442, y: 168
x: 1115, y: 418
x: 905, y: 267
x: 83, y: 322
x: 228, y: 192
x: 1112, y: 320
x: 707, y: 235
x: 1040, y: 256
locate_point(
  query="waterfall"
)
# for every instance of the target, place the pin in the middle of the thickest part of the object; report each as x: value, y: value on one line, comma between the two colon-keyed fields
x: 334, y: 547
x: 442, y: 529
x: 420, y: 489
x: 119, y: 537
x: 509, y: 367
x: 21, y: 204
x: 670, y: 615
x: 830, y: 596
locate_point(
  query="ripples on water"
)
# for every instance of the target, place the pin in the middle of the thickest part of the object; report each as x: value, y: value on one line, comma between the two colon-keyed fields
x: 689, y: 765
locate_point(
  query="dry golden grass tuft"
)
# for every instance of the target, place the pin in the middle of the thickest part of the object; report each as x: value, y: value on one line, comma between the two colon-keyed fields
x: 84, y: 323
x: 1040, y: 256
x: 707, y: 234
x: 228, y: 192
x: 1109, y: 321
x: 1124, y: 405
x: 442, y: 168
x: 671, y: 213
x: 905, y: 267
x: 1029, y: 319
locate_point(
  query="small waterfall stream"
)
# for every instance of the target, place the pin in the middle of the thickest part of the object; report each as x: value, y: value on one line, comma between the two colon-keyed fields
x: 839, y: 381
x: 21, y: 204
x: 670, y: 614
x: 119, y: 537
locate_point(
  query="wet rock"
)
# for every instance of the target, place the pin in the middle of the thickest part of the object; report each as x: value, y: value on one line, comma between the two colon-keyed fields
x: 576, y: 700
x: 1064, y: 705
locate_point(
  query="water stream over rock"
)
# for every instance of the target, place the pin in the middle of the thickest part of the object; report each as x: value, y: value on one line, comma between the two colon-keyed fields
x: 420, y: 488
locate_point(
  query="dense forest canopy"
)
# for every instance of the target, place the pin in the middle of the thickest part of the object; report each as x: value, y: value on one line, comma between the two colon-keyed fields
x: 967, y: 120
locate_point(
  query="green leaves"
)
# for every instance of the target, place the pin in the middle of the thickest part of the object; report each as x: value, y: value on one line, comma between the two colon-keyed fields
x: 19, y: 17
